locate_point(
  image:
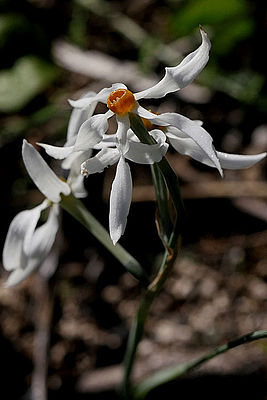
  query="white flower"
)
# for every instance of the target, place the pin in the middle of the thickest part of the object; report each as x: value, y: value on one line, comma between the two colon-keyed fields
x: 121, y: 101
x: 121, y: 191
x: 27, y: 245
x: 187, y: 137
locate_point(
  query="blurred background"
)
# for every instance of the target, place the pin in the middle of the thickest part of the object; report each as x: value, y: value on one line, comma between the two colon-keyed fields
x: 52, y: 50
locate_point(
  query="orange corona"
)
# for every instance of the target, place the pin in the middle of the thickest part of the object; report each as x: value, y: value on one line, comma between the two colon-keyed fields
x: 121, y: 101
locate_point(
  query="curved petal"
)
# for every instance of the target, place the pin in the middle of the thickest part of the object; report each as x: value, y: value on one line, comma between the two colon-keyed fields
x: 178, y: 77
x: 57, y: 152
x: 121, y: 134
x: 193, y: 130
x: 78, y: 117
x: 91, y: 132
x: 102, y: 96
x: 228, y: 161
x: 238, y: 161
x: 77, y: 187
x: 171, y: 131
x: 99, y: 162
x: 42, y: 241
x: 109, y: 140
x: 142, y: 112
x: 148, y: 154
x: 187, y: 146
x: 120, y: 200
x: 20, y: 231
x: 75, y: 179
x: 42, y: 175
x: 74, y: 160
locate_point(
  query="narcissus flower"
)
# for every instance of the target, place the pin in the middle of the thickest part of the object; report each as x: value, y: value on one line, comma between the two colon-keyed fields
x: 186, y: 136
x: 121, y: 101
x: 27, y: 245
x: 121, y: 191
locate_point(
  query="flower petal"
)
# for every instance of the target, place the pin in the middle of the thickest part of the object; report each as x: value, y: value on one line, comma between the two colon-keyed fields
x: 57, y: 152
x: 180, y: 76
x: 77, y: 187
x: 193, y: 130
x: 228, y: 161
x: 148, y: 154
x: 109, y: 140
x: 91, y: 132
x: 42, y: 241
x: 75, y: 179
x: 120, y: 200
x: 78, y: 117
x: 188, y: 147
x: 20, y: 230
x: 102, y: 96
x: 123, y: 127
x: 99, y: 162
x: 42, y: 175
x: 238, y: 161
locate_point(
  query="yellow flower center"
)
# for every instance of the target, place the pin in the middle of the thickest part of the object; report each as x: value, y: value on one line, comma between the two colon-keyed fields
x: 121, y: 101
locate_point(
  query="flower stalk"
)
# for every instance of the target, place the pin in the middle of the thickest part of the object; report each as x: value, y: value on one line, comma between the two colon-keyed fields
x: 166, y: 187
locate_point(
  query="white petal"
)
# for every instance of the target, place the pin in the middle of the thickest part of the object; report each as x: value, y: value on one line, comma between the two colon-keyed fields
x: 42, y: 241
x: 180, y: 76
x: 74, y: 160
x: 91, y: 132
x: 43, y: 176
x: 75, y: 179
x: 142, y: 112
x: 77, y: 187
x: 44, y: 236
x: 123, y: 127
x: 236, y: 161
x: 148, y: 154
x: 57, y: 152
x: 102, y: 96
x: 99, y: 162
x: 78, y: 117
x: 20, y: 230
x: 190, y: 148
x: 120, y: 200
x: 193, y: 130
x: 109, y: 140
x: 228, y: 161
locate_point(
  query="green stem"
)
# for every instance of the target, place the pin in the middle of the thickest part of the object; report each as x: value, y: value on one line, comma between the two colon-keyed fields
x: 76, y: 208
x: 163, y: 218
x: 178, y: 371
x: 138, y: 325
x: 165, y: 179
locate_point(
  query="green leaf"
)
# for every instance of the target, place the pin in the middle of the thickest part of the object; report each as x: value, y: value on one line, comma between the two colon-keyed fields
x: 177, y: 371
x: 29, y: 77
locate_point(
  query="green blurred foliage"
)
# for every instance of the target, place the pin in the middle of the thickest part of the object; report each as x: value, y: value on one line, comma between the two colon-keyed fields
x: 229, y: 19
x: 20, y: 84
x: 242, y: 85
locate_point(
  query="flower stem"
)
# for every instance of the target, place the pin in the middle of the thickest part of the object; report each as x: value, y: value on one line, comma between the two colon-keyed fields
x: 76, y: 208
x: 175, y: 372
x: 166, y: 182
